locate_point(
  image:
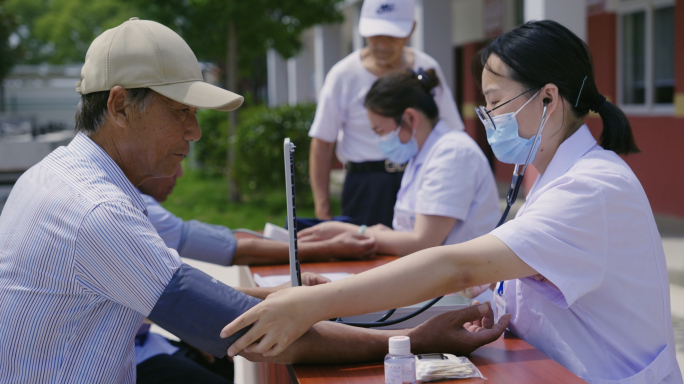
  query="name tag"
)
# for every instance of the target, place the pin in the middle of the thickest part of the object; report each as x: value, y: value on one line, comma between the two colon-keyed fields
x: 499, y: 303
x: 404, y: 220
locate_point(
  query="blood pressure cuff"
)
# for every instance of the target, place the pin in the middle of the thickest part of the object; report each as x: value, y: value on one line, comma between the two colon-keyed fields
x: 195, y: 307
x: 205, y: 242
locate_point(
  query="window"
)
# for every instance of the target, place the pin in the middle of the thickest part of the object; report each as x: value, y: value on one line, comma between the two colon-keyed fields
x: 518, y: 12
x: 634, y: 58
x: 663, y: 55
x: 646, y: 58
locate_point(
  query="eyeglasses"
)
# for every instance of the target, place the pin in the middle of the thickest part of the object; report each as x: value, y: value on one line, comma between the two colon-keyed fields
x: 486, y: 118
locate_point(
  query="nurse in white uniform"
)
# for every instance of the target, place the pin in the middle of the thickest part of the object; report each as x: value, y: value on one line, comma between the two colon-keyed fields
x: 448, y: 194
x: 582, y: 264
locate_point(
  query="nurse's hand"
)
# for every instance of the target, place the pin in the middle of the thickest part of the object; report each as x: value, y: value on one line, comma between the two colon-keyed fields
x: 278, y: 321
x: 352, y: 246
x: 325, y: 231
x: 458, y: 332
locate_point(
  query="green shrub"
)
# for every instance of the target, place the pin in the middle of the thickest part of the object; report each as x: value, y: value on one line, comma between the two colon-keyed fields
x: 259, y: 167
x: 211, y: 151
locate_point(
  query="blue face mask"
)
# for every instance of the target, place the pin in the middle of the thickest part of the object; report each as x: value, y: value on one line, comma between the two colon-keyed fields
x: 505, y: 141
x: 396, y: 151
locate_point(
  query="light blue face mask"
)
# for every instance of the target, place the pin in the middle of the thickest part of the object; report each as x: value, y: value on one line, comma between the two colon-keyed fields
x: 505, y: 141
x: 396, y: 151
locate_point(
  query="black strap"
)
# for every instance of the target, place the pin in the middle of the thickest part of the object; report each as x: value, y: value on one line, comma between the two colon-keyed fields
x: 374, y: 166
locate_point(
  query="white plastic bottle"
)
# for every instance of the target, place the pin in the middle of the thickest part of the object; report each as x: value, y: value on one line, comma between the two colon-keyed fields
x: 400, y: 364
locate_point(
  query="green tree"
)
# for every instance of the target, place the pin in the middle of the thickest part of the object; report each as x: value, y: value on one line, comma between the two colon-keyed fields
x: 8, y: 50
x: 258, y: 24
x: 60, y: 31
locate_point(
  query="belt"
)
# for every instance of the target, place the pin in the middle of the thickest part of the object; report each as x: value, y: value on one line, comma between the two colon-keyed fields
x: 374, y: 166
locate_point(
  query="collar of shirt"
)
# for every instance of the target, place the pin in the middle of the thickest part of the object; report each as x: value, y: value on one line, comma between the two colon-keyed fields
x: 86, y: 148
x: 569, y: 152
x: 438, y: 131
x: 414, y: 164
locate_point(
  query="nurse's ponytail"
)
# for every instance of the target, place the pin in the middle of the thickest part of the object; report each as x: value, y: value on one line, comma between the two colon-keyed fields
x: 391, y: 94
x: 545, y: 52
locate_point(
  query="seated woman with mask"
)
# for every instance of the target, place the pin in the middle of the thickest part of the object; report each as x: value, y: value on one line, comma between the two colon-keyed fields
x: 448, y: 194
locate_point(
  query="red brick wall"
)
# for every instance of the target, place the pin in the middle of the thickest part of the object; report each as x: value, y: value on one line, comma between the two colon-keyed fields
x: 660, y: 166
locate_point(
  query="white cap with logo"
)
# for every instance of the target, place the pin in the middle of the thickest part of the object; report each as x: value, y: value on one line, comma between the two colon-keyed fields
x: 386, y: 17
x: 146, y: 54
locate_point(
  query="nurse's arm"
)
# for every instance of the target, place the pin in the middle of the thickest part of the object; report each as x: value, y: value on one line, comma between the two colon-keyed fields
x: 429, y: 231
x: 288, y: 314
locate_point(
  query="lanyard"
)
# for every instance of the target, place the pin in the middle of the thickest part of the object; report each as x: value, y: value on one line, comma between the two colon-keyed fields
x: 516, y: 182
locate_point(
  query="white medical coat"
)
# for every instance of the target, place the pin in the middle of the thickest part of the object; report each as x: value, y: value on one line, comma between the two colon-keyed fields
x: 587, y: 227
x: 450, y: 177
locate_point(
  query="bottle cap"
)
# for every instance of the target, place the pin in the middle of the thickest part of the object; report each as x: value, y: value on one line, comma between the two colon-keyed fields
x: 399, y: 345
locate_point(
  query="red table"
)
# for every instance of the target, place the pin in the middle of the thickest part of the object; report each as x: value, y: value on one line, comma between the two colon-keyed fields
x: 507, y: 360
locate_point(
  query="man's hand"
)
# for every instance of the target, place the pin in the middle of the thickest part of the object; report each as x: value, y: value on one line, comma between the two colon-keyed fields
x: 352, y: 246
x: 325, y: 231
x: 458, y: 332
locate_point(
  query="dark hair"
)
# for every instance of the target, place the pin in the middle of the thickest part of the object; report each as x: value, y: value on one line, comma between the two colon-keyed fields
x: 91, y: 111
x: 391, y: 94
x: 545, y: 52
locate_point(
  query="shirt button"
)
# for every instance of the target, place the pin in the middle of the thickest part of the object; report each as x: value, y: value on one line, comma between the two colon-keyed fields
x: 649, y: 376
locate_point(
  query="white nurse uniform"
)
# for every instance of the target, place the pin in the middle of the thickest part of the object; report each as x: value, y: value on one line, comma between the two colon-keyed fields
x: 449, y: 177
x: 588, y: 228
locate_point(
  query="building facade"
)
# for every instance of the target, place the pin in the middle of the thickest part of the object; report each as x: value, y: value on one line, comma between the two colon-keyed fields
x: 637, y: 47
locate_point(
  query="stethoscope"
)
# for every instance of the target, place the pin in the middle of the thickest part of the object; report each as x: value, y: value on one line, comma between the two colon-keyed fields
x: 511, y: 196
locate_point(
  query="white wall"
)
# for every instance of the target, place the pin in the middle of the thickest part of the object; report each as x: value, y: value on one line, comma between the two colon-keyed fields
x: 433, y: 34
x: 571, y: 13
x: 277, y: 78
x: 467, y: 16
x: 327, y: 51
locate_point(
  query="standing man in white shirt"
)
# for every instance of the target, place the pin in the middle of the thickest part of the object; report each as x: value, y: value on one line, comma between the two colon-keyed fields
x: 372, y: 182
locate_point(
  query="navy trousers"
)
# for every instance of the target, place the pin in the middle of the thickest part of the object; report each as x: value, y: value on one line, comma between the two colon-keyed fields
x: 369, y: 197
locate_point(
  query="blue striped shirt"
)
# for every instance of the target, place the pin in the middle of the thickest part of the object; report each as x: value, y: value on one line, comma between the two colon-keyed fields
x: 80, y: 267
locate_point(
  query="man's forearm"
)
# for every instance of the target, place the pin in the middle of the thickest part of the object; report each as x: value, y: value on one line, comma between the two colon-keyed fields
x: 263, y: 252
x: 332, y: 343
x: 320, y: 162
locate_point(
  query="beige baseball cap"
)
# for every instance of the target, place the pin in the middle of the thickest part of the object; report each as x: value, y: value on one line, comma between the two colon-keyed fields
x: 146, y: 54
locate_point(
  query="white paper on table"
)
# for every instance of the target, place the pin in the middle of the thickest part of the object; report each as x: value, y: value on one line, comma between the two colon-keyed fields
x: 276, y: 280
x: 274, y: 232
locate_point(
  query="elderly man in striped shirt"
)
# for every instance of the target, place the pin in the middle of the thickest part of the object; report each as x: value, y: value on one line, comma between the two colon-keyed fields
x: 81, y: 265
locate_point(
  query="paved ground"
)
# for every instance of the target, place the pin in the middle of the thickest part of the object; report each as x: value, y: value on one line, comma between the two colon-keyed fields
x: 672, y: 232
x: 4, y: 194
